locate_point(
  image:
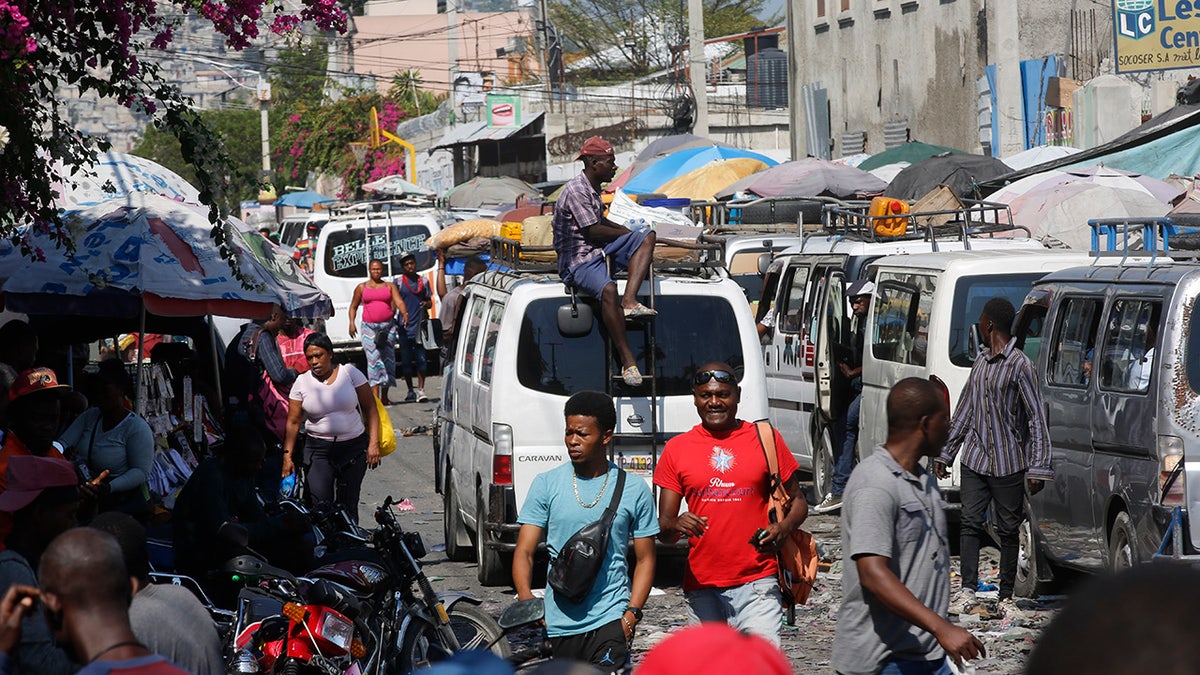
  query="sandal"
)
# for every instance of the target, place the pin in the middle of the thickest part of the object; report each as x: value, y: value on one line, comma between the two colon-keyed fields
x: 639, y: 311
x: 632, y: 376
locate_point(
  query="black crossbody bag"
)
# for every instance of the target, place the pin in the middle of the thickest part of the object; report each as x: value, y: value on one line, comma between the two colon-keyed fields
x: 573, y: 573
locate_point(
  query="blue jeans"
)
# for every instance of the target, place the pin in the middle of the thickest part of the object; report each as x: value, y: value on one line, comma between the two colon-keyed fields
x: 899, y: 667
x: 844, y: 462
x: 412, y: 355
x: 754, y: 607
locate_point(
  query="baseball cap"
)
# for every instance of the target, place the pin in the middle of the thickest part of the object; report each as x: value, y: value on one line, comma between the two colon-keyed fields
x: 33, y: 381
x: 595, y: 146
x: 30, y: 475
x: 860, y: 287
x: 714, y: 647
x: 407, y: 255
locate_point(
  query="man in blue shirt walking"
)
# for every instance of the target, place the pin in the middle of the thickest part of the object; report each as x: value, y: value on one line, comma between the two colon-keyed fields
x: 599, y: 629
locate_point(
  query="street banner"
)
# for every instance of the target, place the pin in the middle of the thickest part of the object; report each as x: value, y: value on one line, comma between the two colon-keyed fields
x: 504, y: 110
x: 1156, y: 34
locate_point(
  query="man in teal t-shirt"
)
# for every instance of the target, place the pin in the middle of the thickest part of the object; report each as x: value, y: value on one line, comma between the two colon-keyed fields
x: 563, y: 500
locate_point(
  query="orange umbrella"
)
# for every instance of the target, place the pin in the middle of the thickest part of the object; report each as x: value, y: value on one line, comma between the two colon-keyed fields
x: 705, y: 182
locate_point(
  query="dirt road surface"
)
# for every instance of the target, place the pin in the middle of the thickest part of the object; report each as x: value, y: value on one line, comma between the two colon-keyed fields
x: 408, y: 473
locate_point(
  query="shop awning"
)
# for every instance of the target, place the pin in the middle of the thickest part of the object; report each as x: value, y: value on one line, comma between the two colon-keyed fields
x: 474, y: 133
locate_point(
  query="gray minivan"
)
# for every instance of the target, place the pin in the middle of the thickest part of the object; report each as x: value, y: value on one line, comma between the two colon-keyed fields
x: 1117, y: 349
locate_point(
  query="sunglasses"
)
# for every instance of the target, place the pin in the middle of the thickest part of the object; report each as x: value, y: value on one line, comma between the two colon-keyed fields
x: 724, y: 377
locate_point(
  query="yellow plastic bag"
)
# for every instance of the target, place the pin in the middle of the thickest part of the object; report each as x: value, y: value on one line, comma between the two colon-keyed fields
x: 387, y: 435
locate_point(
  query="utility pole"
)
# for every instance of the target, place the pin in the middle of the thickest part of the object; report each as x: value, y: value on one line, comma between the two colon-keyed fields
x: 795, y: 44
x: 697, y: 61
x: 264, y: 99
x: 452, y: 42
x: 1008, y: 116
x: 542, y: 27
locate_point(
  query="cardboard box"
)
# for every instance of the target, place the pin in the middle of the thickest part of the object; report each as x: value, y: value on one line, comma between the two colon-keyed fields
x: 1059, y: 90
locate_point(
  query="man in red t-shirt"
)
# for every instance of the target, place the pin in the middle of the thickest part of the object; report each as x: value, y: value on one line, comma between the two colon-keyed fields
x: 721, y: 469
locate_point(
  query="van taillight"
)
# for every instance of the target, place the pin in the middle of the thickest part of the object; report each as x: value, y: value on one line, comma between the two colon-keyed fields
x: 1171, y: 483
x: 502, y: 450
x: 810, y: 354
x: 502, y: 470
x: 937, y: 382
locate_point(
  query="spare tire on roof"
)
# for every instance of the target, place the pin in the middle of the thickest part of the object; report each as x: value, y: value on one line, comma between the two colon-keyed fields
x: 777, y: 211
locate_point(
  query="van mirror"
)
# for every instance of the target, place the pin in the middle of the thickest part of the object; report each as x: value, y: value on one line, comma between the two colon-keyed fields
x: 764, y: 261
x: 575, y: 319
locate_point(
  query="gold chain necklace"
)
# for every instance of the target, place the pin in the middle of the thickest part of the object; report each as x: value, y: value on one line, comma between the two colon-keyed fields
x: 575, y: 485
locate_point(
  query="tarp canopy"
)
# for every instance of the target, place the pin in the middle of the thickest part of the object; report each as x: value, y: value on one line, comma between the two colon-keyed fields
x: 1167, y: 144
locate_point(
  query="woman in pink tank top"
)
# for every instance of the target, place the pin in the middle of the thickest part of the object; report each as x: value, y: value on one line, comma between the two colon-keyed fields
x: 379, y: 299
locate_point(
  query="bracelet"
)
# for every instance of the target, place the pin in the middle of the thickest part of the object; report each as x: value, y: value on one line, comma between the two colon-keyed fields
x: 626, y: 622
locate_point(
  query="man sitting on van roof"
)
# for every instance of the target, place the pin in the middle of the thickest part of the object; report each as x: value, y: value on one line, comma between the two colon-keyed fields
x: 585, y: 240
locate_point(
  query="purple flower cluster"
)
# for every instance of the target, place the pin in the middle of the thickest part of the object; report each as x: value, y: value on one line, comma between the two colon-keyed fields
x: 14, y: 40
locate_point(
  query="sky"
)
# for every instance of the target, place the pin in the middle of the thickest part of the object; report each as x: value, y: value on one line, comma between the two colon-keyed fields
x: 770, y: 8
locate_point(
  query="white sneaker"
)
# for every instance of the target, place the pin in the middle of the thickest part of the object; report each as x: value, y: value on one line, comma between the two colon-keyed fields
x: 421, y: 397
x: 1009, y: 609
x: 829, y: 504
x: 962, y: 602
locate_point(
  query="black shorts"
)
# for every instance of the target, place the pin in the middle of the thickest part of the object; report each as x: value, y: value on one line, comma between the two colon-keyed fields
x: 605, y: 646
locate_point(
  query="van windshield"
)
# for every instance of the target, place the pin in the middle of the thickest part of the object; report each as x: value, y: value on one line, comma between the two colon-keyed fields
x: 970, y: 295
x: 691, y: 330
x: 347, y: 254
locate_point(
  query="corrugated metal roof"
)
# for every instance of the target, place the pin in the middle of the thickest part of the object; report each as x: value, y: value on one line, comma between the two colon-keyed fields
x: 476, y: 132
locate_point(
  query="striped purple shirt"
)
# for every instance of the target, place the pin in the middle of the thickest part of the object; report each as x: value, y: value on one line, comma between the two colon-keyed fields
x: 999, y: 425
x: 578, y: 208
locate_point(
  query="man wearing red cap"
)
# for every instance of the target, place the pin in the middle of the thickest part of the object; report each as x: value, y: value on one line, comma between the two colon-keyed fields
x: 585, y: 241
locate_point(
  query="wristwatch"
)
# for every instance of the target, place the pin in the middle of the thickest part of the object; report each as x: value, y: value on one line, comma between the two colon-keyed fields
x: 636, y: 611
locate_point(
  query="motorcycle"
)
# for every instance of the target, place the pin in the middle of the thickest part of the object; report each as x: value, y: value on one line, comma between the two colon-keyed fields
x: 415, y: 625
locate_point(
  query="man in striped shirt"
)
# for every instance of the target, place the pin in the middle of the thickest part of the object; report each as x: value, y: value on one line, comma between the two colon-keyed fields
x: 1001, y: 431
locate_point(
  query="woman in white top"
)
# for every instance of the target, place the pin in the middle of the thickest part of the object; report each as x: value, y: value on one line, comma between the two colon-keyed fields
x: 338, y: 409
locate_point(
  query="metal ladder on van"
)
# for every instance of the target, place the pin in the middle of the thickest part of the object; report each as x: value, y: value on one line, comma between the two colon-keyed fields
x: 613, y: 379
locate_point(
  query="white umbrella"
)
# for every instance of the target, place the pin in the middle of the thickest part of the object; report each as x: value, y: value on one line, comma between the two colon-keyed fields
x: 119, y: 174
x: 1039, y: 154
x: 1062, y: 213
x: 888, y: 171
x: 397, y: 186
x: 1094, y: 175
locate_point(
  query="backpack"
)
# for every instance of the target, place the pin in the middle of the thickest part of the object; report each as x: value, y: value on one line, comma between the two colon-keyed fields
x: 573, y: 573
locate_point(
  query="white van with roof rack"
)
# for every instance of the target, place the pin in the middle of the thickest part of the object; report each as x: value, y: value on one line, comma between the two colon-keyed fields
x: 526, y: 344
x: 806, y: 319
x: 350, y: 240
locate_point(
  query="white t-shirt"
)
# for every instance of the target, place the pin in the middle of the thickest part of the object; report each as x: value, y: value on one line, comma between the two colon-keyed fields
x: 331, y: 407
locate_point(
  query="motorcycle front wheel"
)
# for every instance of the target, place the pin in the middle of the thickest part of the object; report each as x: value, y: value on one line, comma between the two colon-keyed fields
x: 473, y: 627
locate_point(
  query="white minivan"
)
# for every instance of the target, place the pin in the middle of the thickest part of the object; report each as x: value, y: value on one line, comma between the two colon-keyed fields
x: 807, y: 324
x: 348, y: 243
x: 525, y: 346
x: 922, y: 323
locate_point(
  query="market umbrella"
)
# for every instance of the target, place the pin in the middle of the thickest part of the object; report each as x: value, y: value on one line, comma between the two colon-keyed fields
x: 888, y: 172
x: 808, y: 177
x: 118, y: 174
x: 1062, y: 212
x: 145, y: 252
x: 911, y: 152
x: 852, y: 160
x: 668, y: 144
x: 962, y: 173
x: 483, y: 191
x: 683, y: 161
x: 1039, y: 154
x: 705, y: 182
x: 303, y: 199
x: 397, y: 186
x: 1098, y: 175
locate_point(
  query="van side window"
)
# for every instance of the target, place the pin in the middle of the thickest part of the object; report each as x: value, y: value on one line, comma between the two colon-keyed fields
x: 790, y: 317
x: 467, y: 364
x: 487, y: 355
x: 1073, y: 349
x: 901, y: 330
x: 1128, y: 357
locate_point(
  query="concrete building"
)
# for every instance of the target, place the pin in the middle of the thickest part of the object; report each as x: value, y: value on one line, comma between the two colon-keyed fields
x: 968, y: 74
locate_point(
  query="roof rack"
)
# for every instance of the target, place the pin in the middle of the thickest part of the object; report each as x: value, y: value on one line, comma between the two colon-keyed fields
x: 508, y: 254
x: 377, y: 207
x: 976, y: 218
x: 1116, y: 238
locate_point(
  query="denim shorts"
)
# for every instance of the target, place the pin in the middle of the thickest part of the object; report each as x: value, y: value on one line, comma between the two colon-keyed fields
x: 754, y: 607
x: 592, y: 276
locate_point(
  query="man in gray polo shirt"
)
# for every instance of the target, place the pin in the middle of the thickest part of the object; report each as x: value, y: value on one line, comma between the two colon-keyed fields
x: 895, y: 595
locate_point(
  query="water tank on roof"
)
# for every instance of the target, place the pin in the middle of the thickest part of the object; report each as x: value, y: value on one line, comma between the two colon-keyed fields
x: 766, y: 79
x: 757, y: 42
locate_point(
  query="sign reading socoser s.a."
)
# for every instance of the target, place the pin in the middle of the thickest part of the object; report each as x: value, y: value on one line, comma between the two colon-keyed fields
x: 1156, y: 34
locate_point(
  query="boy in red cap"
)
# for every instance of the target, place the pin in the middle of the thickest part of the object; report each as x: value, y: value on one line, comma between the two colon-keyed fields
x: 585, y: 240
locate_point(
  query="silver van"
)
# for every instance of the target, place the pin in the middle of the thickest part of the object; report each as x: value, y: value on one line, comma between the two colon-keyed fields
x: 525, y: 345
x: 1118, y: 358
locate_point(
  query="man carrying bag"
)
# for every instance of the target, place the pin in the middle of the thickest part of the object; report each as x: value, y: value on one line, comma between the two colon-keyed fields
x: 591, y: 609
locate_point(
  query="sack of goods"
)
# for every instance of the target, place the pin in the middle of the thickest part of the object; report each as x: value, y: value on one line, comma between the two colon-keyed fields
x: 460, y: 232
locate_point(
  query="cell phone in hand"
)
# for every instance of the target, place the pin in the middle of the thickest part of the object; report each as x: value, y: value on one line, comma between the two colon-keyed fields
x: 759, y: 535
